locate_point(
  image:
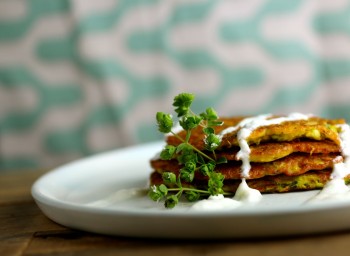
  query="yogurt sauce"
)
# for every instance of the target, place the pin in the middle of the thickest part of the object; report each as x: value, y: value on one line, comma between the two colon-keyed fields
x: 244, y: 195
x: 218, y: 202
x: 336, y: 189
x: 118, y: 196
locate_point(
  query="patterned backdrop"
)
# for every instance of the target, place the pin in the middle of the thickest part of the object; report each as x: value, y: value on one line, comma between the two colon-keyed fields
x: 81, y: 77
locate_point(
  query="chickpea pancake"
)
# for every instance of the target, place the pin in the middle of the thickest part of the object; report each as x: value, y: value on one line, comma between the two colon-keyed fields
x: 284, y: 156
x: 268, y: 184
x: 314, y: 128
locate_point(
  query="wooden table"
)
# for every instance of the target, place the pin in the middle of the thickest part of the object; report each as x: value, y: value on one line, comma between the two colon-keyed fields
x: 24, y: 230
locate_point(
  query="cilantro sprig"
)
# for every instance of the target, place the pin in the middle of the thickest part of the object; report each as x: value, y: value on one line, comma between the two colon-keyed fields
x: 190, y: 158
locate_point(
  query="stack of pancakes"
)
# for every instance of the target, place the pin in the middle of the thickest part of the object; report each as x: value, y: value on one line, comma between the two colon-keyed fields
x: 289, y: 156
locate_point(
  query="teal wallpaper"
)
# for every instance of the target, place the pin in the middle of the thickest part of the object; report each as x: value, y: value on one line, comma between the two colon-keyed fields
x: 82, y: 77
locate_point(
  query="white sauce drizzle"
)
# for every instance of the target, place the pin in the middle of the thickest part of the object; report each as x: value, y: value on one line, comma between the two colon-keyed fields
x: 218, y: 202
x: 336, y: 189
x: 341, y: 170
x: 118, y: 196
x: 246, y: 194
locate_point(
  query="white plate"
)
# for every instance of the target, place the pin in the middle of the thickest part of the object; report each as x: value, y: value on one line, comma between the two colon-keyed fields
x: 81, y: 195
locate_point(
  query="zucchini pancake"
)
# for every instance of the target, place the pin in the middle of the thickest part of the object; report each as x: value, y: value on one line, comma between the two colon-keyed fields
x: 271, y: 154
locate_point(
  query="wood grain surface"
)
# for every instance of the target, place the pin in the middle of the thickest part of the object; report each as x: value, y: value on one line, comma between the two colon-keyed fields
x: 24, y: 230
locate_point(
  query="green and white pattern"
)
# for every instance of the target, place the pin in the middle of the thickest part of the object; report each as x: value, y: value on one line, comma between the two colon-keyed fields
x: 80, y: 77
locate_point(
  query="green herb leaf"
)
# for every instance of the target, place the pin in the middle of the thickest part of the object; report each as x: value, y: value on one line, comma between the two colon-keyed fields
x: 207, y: 168
x: 215, y: 123
x: 171, y: 201
x: 215, y: 183
x: 211, y: 142
x: 192, y: 196
x: 186, y: 175
x: 221, y: 160
x: 190, y: 122
x: 164, y: 121
x: 191, y: 165
x: 208, y: 130
x: 188, y: 156
x: 157, y: 193
x: 182, y: 102
x: 168, y: 152
x: 163, y: 189
x: 186, y: 148
x: 209, y: 114
x: 169, y: 177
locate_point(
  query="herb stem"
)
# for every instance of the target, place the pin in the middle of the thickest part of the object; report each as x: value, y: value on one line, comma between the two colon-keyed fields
x: 188, y: 135
x: 214, y: 154
x: 196, y: 190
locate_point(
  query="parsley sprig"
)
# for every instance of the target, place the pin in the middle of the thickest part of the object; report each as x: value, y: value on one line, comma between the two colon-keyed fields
x: 188, y: 156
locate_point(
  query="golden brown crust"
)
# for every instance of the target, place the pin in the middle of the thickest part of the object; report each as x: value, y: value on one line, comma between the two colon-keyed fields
x: 292, y: 165
x: 313, y: 128
x: 269, y: 184
x: 268, y: 152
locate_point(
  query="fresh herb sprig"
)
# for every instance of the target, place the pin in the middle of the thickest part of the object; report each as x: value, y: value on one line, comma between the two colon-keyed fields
x: 188, y: 156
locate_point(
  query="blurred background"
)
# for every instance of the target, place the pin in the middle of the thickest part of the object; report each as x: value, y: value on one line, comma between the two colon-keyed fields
x: 82, y: 77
